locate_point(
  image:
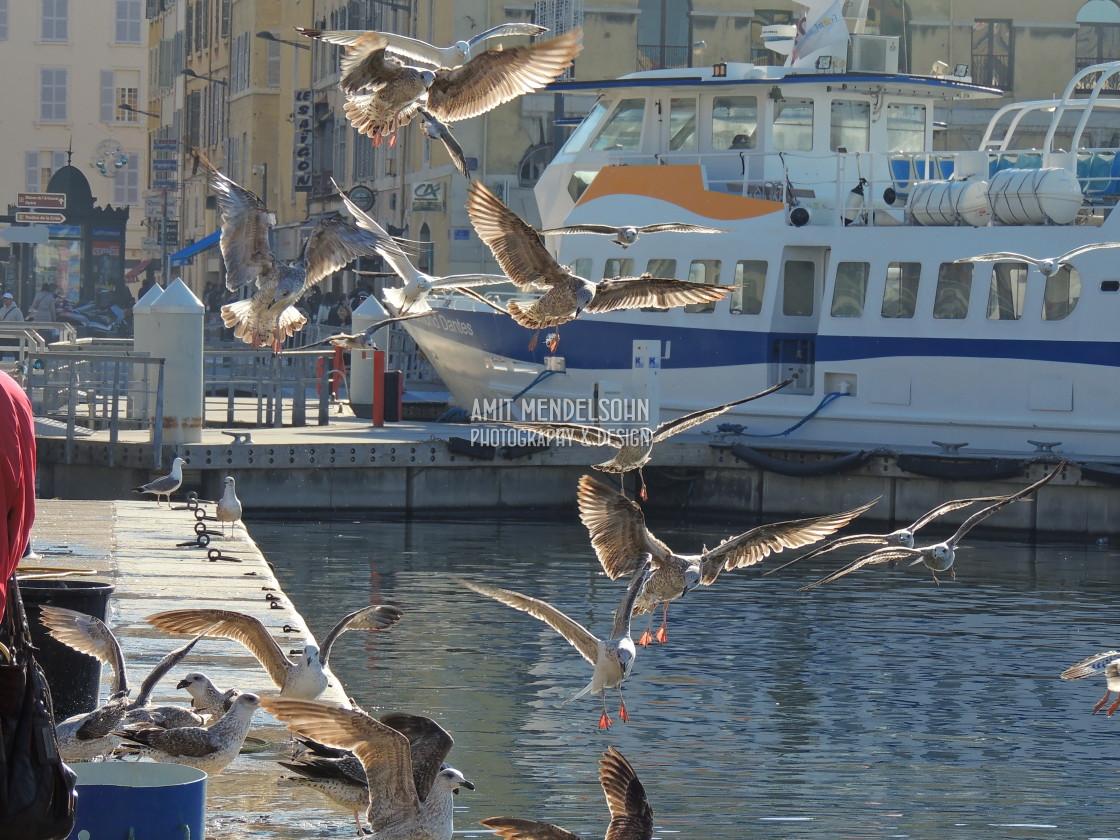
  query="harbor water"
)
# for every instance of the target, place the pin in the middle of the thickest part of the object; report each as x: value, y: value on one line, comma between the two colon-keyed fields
x: 882, y: 705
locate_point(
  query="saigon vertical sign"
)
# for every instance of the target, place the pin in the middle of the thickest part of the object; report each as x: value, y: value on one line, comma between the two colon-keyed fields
x: 301, y: 150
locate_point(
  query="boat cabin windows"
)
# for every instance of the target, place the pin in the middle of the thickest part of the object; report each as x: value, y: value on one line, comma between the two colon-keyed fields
x: 623, y: 129
x: 793, y: 124
x: 1007, y: 292
x: 582, y: 267
x: 703, y: 271
x: 900, y: 294
x: 1062, y: 292
x: 749, y: 286
x: 682, y: 125
x: 797, y: 289
x: 954, y: 287
x: 618, y: 267
x: 906, y: 127
x: 850, y: 125
x: 734, y: 122
x: 585, y: 129
x: 850, y: 292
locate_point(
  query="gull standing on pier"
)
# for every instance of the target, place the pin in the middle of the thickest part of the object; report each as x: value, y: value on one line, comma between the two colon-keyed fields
x: 165, y: 485
x: 612, y: 658
x: 617, y: 527
x: 631, y: 814
x: 411, y: 796
x: 228, y: 508
x: 938, y: 557
x: 1107, y: 663
x: 306, y: 678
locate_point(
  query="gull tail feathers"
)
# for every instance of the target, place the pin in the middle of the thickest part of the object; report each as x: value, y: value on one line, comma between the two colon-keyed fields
x: 585, y: 690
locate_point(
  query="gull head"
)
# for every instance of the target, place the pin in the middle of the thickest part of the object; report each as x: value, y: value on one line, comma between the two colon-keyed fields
x: 463, y: 49
x: 938, y: 558
x: 196, y: 684
x: 427, y: 77
x: 310, y: 653
x: 691, y: 579
x: 903, y: 537
x: 584, y: 294
x: 451, y: 779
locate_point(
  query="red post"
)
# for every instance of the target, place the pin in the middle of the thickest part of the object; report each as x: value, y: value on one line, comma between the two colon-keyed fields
x: 339, y: 364
x: 378, y: 388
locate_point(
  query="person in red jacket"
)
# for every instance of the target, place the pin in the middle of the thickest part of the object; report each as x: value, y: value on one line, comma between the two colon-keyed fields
x: 17, y: 479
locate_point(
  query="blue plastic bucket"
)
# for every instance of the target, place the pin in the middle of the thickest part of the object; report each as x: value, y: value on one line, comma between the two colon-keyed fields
x: 139, y: 800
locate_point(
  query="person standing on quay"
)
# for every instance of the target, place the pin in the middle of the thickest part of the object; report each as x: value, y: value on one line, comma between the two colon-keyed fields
x: 8, y: 309
x: 43, y: 307
x: 17, y: 478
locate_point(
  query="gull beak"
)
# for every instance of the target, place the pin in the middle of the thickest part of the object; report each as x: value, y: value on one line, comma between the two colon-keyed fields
x: 182, y: 683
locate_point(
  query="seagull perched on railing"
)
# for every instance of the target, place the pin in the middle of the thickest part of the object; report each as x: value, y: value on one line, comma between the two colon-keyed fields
x: 1046, y: 265
x: 165, y: 485
x: 627, y: 235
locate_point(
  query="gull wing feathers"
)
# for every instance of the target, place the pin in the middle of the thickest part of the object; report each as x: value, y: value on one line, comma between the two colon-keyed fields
x: 631, y: 814
x: 428, y: 743
x: 605, y: 230
x: 577, y: 635
x: 500, y: 75
x: 333, y: 244
x: 832, y: 545
x: 882, y: 555
x: 513, y: 828
x: 1003, y: 502
x: 356, y: 341
x: 647, y: 290
x: 245, y: 226
x: 695, y: 418
x: 679, y: 227
x: 435, y: 129
x: 90, y: 635
x: 227, y: 624
x: 617, y: 528
x: 757, y: 544
x: 376, y: 617
x: 383, y: 751
x: 1091, y: 665
x: 160, y: 670
x: 515, y: 245
x: 621, y: 627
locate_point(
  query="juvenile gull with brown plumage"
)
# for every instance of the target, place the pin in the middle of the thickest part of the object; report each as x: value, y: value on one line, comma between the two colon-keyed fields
x: 520, y: 252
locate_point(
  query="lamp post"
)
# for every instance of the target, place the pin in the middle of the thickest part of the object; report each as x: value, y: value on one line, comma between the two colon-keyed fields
x: 124, y: 106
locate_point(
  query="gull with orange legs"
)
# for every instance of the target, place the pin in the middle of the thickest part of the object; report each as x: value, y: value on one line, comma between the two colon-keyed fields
x: 1107, y: 663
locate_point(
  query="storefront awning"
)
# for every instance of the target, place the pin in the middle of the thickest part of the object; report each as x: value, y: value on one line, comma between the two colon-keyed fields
x: 134, y: 272
x: 181, y: 256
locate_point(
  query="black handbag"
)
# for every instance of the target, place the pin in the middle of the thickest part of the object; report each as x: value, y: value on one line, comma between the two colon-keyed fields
x: 37, y: 795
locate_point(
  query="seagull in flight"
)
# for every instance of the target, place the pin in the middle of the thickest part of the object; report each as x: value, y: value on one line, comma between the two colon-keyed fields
x: 1107, y: 662
x: 458, y: 53
x: 631, y: 814
x: 627, y: 235
x: 612, y: 658
x: 165, y: 485
x: 435, y: 129
x: 305, y: 678
x: 364, y: 339
x: 521, y: 254
x: 1046, y: 265
x: 619, y: 535
x: 635, y: 446
x: 414, y: 790
x: 269, y: 316
x: 938, y: 557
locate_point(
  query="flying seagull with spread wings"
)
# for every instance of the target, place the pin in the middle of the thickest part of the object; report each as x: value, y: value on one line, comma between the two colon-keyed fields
x: 269, y: 316
x: 364, y: 339
x: 612, y: 658
x: 383, y: 93
x: 627, y: 235
x: 305, y: 678
x: 938, y: 557
x: 617, y: 527
x: 1107, y: 663
x: 1046, y: 265
x: 411, y: 792
x: 635, y: 446
x: 458, y: 53
x: 520, y: 252
x: 631, y: 814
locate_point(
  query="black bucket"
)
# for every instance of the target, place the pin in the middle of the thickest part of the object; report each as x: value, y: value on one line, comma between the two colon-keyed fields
x: 74, y: 678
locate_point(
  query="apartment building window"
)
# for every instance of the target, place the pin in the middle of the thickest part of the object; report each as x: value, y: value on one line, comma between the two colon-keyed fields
x: 239, y: 63
x: 363, y: 156
x: 118, y: 87
x: 39, y: 167
x: 1098, y: 33
x: 126, y: 183
x: 52, y: 94
x: 3, y: 20
x: 993, y: 53
x: 272, y: 64
x: 128, y: 22
x: 339, y: 163
x: 55, y: 17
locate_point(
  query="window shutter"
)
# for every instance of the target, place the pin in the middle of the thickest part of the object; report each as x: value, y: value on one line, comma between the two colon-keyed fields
x: 108, y: 94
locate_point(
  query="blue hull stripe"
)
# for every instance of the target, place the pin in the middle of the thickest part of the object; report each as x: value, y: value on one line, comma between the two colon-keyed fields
x: 587, y: 343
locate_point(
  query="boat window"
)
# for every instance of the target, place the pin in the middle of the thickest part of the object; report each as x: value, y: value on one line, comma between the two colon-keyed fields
x: 580, y: 181
x: 906, y: 128
x: 797, y: 288
x: 734, y: 122
x: 682, y: 125
x: 1063, y: 291
x: 618, y: 267
x: 623, y: 130
x: 703, y: 271
x: 1007, y: 292
x: 851, y: 289
x: 748, y: 287
x: 851, y: 125
x: 581, y: 267
x: 660, y: 268
x: 954, y: 286
x: 900, y: 294
x: 585, y: 129
x: 793, y: 125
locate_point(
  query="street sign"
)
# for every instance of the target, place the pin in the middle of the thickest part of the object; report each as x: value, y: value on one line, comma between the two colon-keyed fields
x: 55, y: 201
x: 41, y: 218
x: 153, y: 206
x: 150, y: 243
x: 165, y: 184
x: 165, y: 145
x: 165, y: 164
x: 29, y: 235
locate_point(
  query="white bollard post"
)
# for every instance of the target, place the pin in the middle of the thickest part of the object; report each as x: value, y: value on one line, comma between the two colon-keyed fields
x: 360, y: 382
x: 178, y: 319
x: 143, y: 333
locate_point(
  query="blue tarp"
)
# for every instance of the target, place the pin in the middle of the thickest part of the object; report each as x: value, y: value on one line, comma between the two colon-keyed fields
x: 180, y: 257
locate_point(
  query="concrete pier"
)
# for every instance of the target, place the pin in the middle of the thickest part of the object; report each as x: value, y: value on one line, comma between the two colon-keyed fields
x: 133, y: 546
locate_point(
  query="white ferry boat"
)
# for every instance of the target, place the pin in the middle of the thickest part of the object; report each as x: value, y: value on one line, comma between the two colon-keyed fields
x: 846, y: 229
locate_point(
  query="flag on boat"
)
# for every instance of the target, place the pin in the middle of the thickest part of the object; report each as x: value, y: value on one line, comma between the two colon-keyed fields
x: 828, y: 31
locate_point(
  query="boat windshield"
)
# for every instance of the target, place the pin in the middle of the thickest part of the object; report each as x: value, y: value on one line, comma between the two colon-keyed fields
x: 624, y: 128
x: 585, y: 129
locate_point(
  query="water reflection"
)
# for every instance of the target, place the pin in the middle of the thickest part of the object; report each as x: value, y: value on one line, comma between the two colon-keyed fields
x: 879, y: 706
